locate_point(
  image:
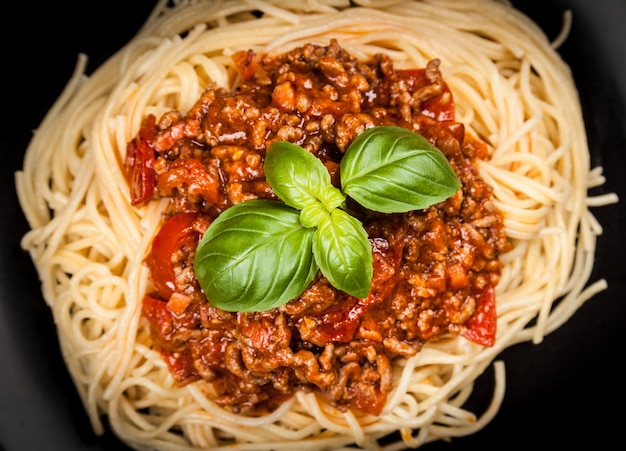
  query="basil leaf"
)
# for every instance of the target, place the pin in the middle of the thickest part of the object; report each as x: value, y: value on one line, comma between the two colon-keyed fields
x: 394, y: 170
x: 312, y: 215
x: 255, y: 256
x: 299, y: 178
x: 344, y: 254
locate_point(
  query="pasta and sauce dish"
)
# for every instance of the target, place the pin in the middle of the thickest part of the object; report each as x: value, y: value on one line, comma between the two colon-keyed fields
x: 268, y: 223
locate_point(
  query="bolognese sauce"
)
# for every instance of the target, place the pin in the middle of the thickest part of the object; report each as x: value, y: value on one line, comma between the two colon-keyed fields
x: 435, y: 270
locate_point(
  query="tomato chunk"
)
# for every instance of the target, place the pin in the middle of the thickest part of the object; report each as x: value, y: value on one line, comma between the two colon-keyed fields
x: 481, y: 328
x: 176, y: 234
x: 179, y: 362
x: 139, y: 164
x: 440, y: 107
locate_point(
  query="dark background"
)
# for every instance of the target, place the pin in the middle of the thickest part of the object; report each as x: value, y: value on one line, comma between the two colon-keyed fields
x: 567, y: 391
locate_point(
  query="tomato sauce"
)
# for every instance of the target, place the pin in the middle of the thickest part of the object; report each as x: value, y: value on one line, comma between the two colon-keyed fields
x: 435, y: 270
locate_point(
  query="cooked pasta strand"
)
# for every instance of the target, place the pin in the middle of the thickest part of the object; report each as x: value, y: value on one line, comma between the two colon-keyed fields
x: 511, y: 89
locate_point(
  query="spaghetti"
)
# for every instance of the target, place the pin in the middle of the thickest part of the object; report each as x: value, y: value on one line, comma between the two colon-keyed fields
x: 88, y: 242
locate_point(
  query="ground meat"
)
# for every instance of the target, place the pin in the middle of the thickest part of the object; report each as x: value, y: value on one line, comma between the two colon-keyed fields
x: 433, y: 268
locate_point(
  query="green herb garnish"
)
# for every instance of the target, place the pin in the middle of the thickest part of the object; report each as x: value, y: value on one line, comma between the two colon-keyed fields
x: 260, y: 254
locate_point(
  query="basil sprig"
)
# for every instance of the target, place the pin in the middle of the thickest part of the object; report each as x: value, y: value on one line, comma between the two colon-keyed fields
x: 259, y: 254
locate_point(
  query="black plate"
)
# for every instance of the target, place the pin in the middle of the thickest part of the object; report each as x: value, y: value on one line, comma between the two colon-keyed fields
x: 561, y: 392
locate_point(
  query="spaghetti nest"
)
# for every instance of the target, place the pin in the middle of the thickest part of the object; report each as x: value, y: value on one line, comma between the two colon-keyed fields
x: 89, y: 243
